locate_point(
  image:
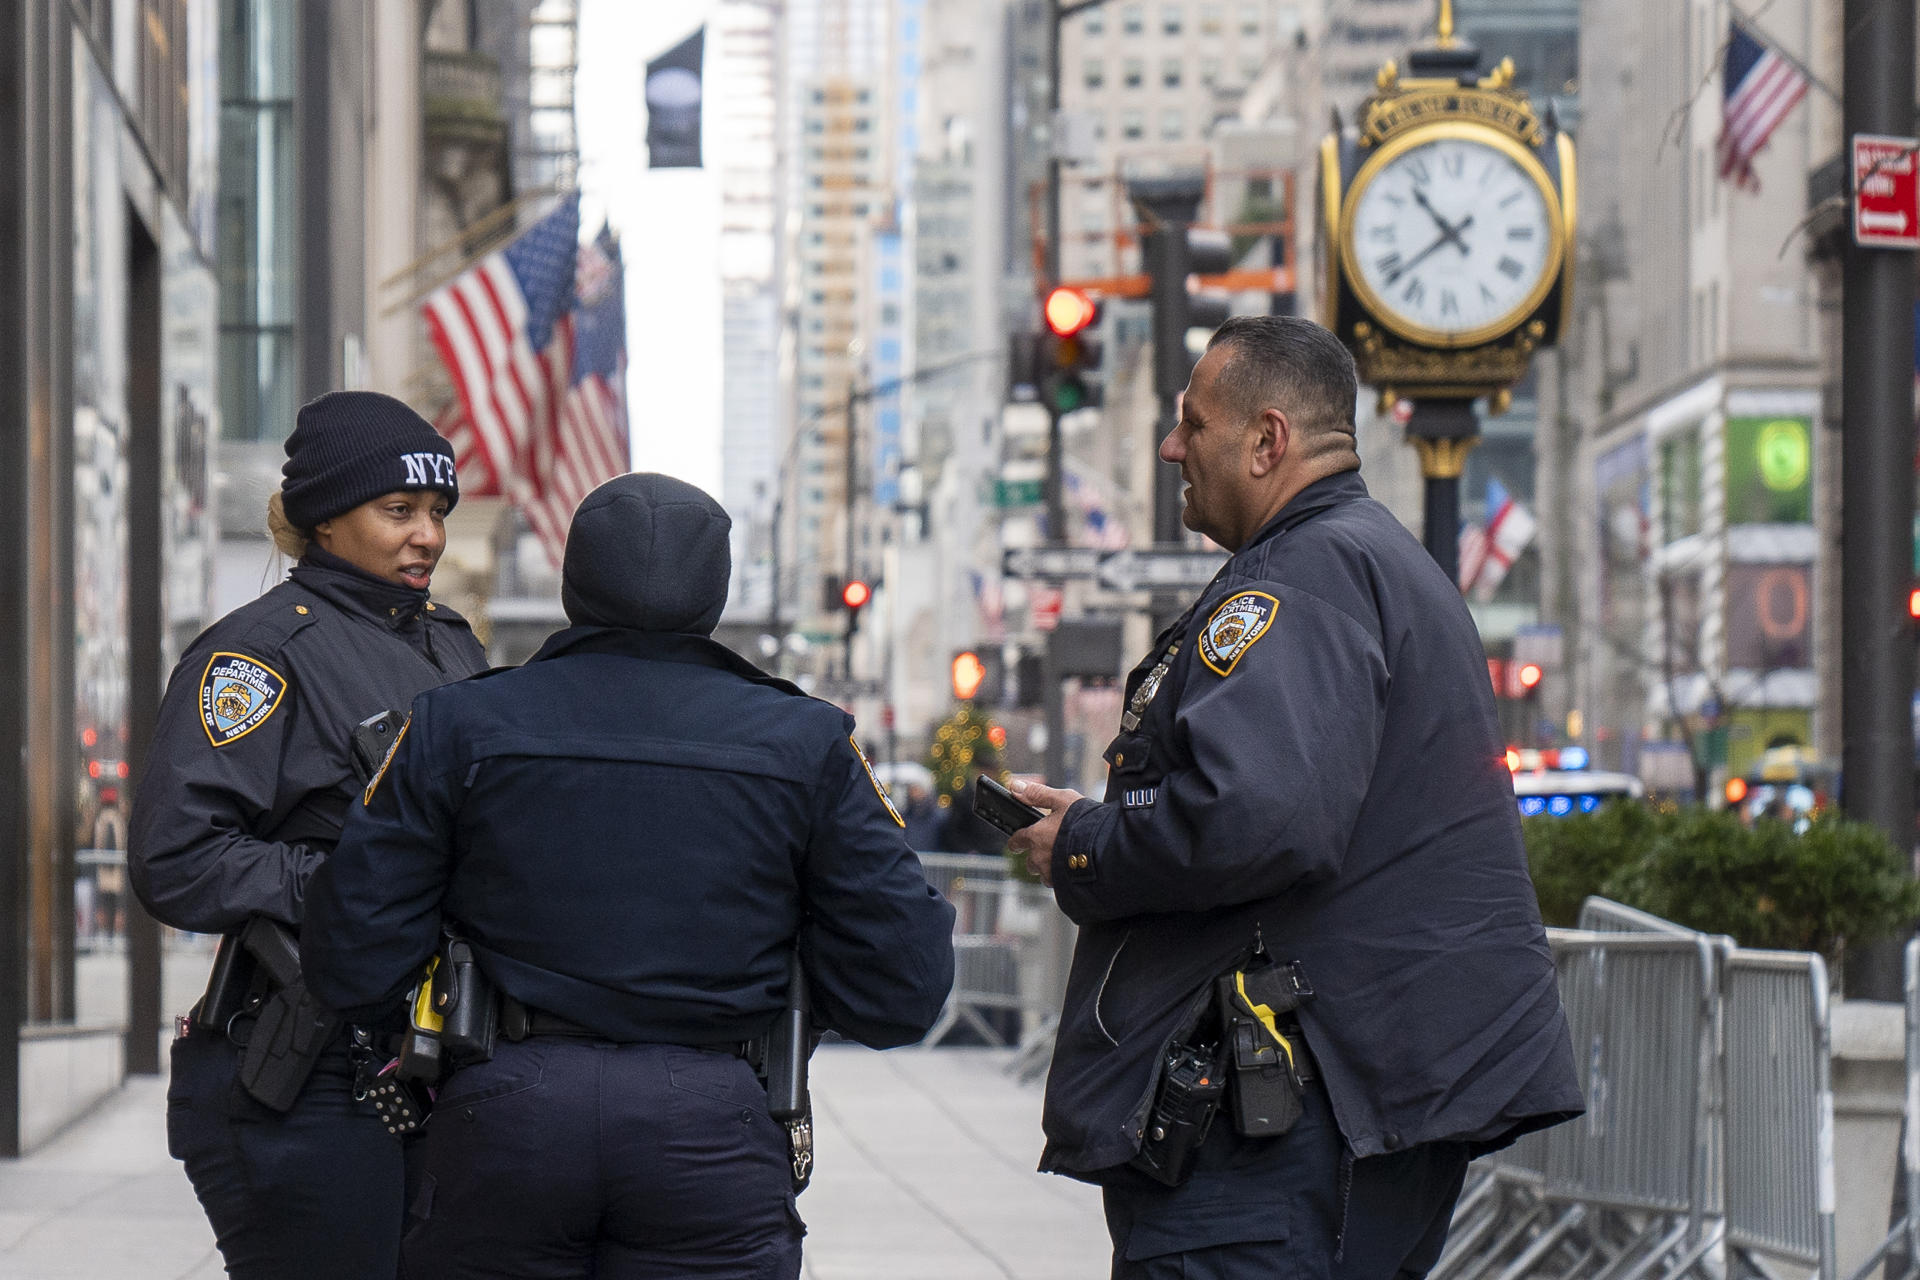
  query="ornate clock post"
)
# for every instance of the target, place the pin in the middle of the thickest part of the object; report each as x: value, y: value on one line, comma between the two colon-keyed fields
x: 1447, y: 234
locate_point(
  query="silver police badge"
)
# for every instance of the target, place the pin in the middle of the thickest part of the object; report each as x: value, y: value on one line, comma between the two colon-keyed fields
x: 237, y: 694
x: 1234, y: 627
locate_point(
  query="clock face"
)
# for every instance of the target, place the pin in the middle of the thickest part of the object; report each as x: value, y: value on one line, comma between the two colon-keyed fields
x: 1452, y: 240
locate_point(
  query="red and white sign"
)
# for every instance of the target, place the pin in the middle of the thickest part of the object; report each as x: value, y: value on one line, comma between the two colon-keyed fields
x: 1045, y: 602
x: 1886, y: 192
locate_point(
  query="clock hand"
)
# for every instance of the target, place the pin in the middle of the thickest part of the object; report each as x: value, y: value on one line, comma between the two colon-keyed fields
x: 1451, y: 235
x: 1447, y: 230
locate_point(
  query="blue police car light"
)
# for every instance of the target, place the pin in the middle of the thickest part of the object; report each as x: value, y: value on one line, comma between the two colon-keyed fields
x: 1532, y: 806
x: 1573, y: 757
x: 1589, y: 803
x: 1560, y: 806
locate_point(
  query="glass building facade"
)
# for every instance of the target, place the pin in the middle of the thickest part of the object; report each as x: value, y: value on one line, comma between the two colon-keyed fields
x: 108, y: 328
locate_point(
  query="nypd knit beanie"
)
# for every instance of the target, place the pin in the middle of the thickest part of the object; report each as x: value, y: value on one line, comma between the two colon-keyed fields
x: 349, y: 447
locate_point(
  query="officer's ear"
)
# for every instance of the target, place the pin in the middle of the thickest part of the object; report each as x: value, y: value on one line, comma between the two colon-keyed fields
x: 1272, y: 433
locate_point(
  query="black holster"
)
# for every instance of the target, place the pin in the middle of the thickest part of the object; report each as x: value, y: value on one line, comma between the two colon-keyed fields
x: 292, y: 1029
x: 453, y: 1017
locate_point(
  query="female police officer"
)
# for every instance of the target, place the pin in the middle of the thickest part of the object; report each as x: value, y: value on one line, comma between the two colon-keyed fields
x: 251, y: 777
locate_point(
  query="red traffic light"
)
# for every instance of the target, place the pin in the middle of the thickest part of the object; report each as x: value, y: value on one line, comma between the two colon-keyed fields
x: 1068, y: 311
x: 855, y: 594
x: 1530, y: 674
x: 1913, y: 607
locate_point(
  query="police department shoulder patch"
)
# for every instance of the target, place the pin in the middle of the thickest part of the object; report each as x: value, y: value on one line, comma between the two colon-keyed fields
x: 874, y: 778
x: 1231, y: 631
x: 237, y: 694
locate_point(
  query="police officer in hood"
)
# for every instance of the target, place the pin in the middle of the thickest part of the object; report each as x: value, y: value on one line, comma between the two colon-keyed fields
x: 251, y: 775
x: 634, y: 830
x: 1305, y: 879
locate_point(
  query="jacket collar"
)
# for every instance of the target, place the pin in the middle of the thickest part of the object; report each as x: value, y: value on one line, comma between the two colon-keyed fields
x: 342, y: 583
x: 1321, y: 495
x: 657, y: 646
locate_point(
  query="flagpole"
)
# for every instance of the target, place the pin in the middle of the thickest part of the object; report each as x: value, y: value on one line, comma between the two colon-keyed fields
x: 1752, y: 28
x: 490, y: 222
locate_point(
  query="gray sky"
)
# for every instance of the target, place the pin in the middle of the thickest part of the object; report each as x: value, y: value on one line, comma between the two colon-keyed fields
x: 668, y: 221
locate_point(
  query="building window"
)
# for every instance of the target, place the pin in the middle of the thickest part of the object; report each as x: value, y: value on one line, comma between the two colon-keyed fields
x: 1099, y: 119
x: 1133, y: 125
x: 1170, y: 73
x: 259, y: 373
x: 1249, y: 19
x: 1173, y: 124
x: 1212, y: 22
x: 1133, y: 73
x: 1133, y: 19
x: 1093, y: 74
x: 1170, y: 20
x: 1095, y: 22
x: 1250, y: 68
x: 1209, y: 71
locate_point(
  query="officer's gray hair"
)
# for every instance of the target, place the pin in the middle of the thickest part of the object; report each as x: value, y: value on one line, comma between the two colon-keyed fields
x: 1294, y: 365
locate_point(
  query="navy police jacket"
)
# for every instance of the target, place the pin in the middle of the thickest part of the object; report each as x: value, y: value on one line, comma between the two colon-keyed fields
x: 251, y: 770
x: 633, y: 829
x: 1311, y: 760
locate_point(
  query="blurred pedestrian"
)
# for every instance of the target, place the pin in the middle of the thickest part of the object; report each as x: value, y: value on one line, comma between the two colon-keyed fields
x: 635, y: 831
x: 922, y: 817
x: 251, y: 777
x: 1305, y: 880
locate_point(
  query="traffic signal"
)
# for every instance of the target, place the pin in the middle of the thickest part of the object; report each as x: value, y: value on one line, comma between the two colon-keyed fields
x: 1067, y: 360
x: 854, y: 595
x: 968, y: 673
x: 1171, y: 255
x: 1529, y: 677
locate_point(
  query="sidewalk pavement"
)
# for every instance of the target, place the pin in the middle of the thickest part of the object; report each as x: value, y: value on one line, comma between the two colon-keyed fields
x: 925, y: 1173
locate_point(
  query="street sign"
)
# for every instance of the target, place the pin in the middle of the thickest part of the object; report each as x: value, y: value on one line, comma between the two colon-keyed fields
x: 1130, y: 570
x: 1886, y: 192
x: 1154, y: 568
x: 1050, y: 562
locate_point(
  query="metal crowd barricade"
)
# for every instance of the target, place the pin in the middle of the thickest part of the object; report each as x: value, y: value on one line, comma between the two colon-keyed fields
x: 1604, y: 915
x: 1904, y: 1235
x: 1619, y: 1192
x: 1779, y: 1099
x: 1001, y: 934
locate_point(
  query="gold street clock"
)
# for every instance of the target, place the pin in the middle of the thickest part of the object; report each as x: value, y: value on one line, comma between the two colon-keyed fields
x: 1447, y: 228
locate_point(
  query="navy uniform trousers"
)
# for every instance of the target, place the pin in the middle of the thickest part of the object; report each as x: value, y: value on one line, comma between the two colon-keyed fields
x: 1271, y: 1209
x: 318, y: 1193
x: 573, y: 1158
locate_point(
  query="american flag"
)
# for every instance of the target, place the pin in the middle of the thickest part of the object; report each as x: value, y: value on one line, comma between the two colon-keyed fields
x: 1761, y: 87
x: 537, y: 365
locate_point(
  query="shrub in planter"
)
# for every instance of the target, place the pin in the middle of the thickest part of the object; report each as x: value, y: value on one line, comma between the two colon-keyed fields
x: 1839, y: 882
x: 1576, y: 856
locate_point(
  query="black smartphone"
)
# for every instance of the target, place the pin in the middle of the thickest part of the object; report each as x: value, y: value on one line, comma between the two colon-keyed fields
x: 999, y: 806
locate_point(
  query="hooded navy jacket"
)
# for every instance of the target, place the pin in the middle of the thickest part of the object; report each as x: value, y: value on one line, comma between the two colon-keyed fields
x: 634, y: 829
x: 1319, y: 769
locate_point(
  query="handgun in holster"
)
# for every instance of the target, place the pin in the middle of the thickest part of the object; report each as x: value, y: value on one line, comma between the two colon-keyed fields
x: 1267, y: 1057
x: 782, y: 1067
x: 292, y: 1029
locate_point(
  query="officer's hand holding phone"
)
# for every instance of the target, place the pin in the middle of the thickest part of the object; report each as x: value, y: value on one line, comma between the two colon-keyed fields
x: 1036, y: 840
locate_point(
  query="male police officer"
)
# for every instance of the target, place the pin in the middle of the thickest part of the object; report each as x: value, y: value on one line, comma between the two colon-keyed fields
x: 1309, y: 771
x: 634, y: 830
